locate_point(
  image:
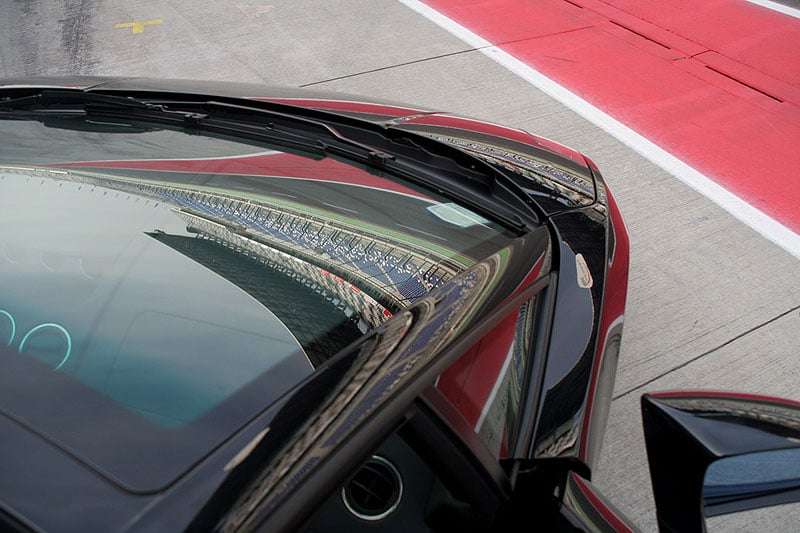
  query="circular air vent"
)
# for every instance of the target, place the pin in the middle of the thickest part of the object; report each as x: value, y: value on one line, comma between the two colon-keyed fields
x: 375, y: 491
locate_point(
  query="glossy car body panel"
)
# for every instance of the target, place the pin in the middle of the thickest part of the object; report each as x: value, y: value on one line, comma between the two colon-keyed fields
x: 573, y: 248
x: 685, y: 432
x: 588, y: 510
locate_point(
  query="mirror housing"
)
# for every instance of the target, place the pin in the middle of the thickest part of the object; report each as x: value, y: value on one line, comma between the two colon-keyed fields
x: 685, y: 432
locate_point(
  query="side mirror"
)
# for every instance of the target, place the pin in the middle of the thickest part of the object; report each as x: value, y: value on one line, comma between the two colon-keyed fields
x: 708, y: 454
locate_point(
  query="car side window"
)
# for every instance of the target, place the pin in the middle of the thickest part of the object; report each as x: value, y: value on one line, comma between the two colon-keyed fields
x: 487, y: 384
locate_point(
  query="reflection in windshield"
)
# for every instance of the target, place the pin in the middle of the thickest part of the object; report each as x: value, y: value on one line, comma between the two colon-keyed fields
x: 395, y: 270
x: 326, y: 278
x: 569, y: 187
x: 150, y: 308
x: 87, y: 294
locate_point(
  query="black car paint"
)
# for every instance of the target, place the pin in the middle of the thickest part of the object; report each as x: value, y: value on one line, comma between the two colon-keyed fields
x: 567, y: 369
x: 411, y: 350
x: 687, y: 432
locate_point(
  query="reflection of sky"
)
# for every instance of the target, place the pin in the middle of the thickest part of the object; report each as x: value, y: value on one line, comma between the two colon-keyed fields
x: 141, y: 331
x: 762, y: 467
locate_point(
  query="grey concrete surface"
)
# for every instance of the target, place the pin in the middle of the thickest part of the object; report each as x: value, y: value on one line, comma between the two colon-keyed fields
x: 754, y: 361
x: 281, y: 43
x: 710, y: 305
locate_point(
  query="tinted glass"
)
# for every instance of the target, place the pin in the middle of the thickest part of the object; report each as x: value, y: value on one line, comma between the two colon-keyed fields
x: 158, y: 289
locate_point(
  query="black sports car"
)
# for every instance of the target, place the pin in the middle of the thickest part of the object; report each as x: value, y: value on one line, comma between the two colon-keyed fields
x: 227, y: 307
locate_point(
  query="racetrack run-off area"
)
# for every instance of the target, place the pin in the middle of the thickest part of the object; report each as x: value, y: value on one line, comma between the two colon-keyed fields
x: 716, y: 85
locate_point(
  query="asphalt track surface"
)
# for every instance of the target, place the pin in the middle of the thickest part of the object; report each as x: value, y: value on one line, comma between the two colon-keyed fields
x: 710, y: 88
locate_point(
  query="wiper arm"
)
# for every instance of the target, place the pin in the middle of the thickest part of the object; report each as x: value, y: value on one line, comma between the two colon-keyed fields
x: 256, y: 123
x: 207, y: 115
x: 499, y: 186
x: 55, y: 99
x: 432, y: 165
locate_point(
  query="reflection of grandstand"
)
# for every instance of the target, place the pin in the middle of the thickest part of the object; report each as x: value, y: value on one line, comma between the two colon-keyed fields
x: 579, y: 189
x: 335, y: 289
x: 393, y: 269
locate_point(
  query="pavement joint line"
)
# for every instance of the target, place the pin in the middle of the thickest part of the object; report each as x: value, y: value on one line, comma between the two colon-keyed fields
x: 766, y: 226
x: 431, y: 58
x: 708, y: 352
x: 388, y: 67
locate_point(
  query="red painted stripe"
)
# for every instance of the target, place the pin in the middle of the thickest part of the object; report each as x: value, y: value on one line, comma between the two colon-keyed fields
x: 274, y: 165
x: 723, y: 395
x: 468, y: 382
x: 348, y: 105
x: 716, y: 83
x: 616, y: 290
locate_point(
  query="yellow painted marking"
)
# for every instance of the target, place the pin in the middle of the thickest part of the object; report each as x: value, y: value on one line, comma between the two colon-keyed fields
x: 138, y: 27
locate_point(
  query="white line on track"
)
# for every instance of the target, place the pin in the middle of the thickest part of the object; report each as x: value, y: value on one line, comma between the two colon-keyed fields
x: 415, y: 230
x: 775, y: 6
x: 340, y: 208
x: 768, y: 227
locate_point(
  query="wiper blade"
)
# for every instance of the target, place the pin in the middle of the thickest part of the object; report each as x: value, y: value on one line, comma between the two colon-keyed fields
x: 239, y: 118
x: 54, y: 99
x: 260, y: 124
x: 431, y: 165
x: 220, y: 117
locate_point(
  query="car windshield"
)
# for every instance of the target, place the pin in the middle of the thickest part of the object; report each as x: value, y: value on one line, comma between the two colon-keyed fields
x: 160, y: 289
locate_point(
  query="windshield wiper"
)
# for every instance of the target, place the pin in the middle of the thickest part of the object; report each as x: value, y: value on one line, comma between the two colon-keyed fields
x: 431, y: 165
x: 221, y: 117
x: 65, y: 100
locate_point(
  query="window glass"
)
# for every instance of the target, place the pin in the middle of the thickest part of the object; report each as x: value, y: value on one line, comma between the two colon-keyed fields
x: 487, y: 383
x: 168, y: 287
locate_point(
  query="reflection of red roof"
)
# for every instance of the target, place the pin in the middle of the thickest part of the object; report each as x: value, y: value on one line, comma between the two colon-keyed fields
x: 273, y: 164
x: 417, y: 116
x: 468, y: 383
x: 347, y: 105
